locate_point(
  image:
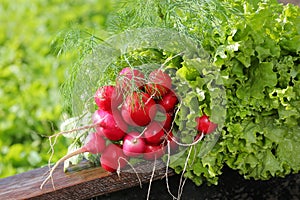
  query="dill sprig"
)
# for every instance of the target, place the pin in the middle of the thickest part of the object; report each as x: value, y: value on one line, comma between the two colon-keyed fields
x: 81, y: 41
x: 132, y: 14
x: 75, y: 43
x: 194, y: 18
x: 197, y: 18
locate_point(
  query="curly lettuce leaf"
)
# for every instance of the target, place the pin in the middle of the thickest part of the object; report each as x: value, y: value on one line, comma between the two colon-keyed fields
x: 258, y: 58
x: 260, y: 76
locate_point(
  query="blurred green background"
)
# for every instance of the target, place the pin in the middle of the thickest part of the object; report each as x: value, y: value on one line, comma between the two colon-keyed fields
x: 31, y: 74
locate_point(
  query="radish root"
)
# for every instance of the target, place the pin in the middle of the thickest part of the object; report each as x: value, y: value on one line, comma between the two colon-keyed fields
x: 55, y: 136
x: 52, y: 143
x: 50, y: 176
x: 73, y: 130
x: 182, y: 183
x: 119, y: 169
x: 151, y: 178
x: 167, y: 168
x: 182, y: 179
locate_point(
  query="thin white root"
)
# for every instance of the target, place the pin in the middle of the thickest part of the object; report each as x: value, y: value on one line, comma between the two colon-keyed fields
x: 55, y: 136
x: 52, y: 150
x: 190, y: 144
x: 119, y: 169
x: 167, y: 168
x: 181, y: 183
x: 151, y: 179
x: 180, y: 191
x: 140, y: 135
x: 50, y: 176
x: 74, y: 130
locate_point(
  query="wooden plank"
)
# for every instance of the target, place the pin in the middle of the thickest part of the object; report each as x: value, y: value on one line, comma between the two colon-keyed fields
x: 83, y: 184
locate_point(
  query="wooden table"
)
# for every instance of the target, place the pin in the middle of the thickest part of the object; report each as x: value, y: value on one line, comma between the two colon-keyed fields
x: 82, y: 184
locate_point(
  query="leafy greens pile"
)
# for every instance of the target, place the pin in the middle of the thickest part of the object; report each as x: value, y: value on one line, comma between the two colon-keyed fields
x: 254, y: 46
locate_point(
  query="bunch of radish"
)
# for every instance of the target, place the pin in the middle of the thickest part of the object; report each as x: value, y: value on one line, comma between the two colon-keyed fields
x: 134, y: 118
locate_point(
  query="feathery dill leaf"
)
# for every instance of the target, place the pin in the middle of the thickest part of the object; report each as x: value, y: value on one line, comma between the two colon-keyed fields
x: 75, y: 40
x: 135, y: 14
x: 197, y: 18
x: 77, y: 43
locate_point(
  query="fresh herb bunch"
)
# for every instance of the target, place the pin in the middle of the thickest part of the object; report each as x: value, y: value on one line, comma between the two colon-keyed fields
x: 254, y: 48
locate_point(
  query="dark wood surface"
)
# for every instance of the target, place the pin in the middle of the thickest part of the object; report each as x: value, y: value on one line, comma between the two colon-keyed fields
x: 95, y: 183
x: 82, y: 184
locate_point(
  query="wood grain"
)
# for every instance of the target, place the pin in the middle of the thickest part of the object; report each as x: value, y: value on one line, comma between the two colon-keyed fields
x: 83, y: 184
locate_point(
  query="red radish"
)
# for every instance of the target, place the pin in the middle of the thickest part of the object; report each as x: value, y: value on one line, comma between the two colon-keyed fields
x: 94, y: 144
x: 110, y: 124
x: 204, y: 125
x: 168, y: 101
x: 154, y: 133
x: 113, y: 158
x: 138, y: 109
x: 130, y: 78
x: 97, y: 118
x: 167, y: 123
x: 106, y: 98
x: 153, y: 152
x: 133, y: 144
x: 159, y: 83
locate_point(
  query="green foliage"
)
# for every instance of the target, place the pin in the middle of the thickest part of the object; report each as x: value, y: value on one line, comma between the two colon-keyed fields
x: 254, y: 46
x: 31, y: 74
x: 260, y: 70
